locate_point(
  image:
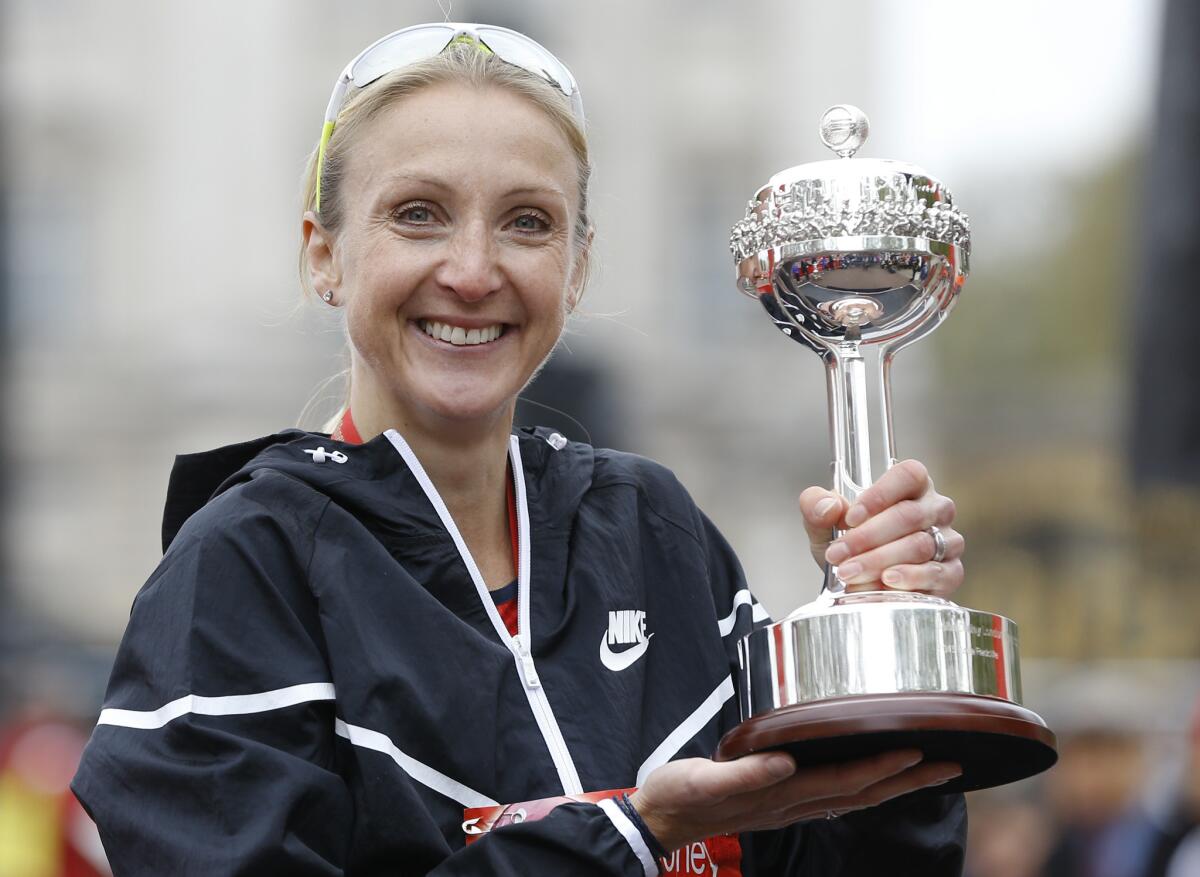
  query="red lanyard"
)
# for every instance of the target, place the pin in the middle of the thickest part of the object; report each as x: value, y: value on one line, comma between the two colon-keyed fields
x: 512, y: 526
x: 346, y: 431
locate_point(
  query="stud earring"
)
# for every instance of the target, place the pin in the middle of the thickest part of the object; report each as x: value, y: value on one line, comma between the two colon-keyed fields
x: 327, y: 295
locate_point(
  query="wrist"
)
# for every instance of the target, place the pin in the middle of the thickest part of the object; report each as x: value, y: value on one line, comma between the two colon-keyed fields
x: 657, y: 827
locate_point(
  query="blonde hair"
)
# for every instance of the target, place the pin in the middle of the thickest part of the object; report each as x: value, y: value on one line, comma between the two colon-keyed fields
x: 459, y: 63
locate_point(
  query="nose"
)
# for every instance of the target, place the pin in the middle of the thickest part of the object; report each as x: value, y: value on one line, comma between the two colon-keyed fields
x: 470, y: 269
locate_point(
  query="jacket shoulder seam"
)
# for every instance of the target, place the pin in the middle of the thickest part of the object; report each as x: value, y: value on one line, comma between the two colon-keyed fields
x: 650, y: 504
x: 312, y: 548
x: 237, y: 494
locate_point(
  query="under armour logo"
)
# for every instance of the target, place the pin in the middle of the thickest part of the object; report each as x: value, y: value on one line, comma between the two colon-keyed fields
x: 320, y: 455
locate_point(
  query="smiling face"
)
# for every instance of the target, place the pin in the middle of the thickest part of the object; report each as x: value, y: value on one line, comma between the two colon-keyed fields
x: 456, y: 258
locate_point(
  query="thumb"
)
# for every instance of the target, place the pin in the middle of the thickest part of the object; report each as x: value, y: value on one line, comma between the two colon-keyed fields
x: 822, y: 510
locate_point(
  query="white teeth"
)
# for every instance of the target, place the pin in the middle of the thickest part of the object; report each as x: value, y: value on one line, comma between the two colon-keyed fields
x: 459, y: 336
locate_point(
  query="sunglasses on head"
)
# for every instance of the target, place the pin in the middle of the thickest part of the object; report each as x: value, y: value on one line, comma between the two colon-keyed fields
x: 422, y: 41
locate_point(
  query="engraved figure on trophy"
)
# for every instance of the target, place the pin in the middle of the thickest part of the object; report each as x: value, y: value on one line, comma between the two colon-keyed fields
x: 844, y: 255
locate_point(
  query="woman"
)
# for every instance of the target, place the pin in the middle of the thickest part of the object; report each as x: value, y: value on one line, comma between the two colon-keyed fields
x: 324, y: 676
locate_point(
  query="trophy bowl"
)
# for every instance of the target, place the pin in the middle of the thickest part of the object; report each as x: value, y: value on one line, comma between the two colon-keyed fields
x: 849, y: 256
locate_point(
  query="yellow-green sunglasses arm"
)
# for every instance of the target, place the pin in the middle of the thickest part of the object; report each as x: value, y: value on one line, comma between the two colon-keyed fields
x: 326, y: 134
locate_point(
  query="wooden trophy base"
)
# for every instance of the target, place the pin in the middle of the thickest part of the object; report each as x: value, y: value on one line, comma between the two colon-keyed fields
x: 995, y: 741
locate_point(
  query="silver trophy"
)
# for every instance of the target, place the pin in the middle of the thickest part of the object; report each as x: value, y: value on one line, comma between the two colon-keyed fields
x: 847, y: 255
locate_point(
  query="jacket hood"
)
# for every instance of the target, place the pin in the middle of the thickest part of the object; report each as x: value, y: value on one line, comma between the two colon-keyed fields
x: 374, y: 482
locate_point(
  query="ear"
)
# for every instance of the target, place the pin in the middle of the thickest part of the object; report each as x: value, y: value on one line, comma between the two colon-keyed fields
x: 579, y: 272
x: 324, y: 272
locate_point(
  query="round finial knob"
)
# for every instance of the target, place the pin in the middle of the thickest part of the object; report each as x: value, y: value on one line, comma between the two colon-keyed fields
x: 844, y: 129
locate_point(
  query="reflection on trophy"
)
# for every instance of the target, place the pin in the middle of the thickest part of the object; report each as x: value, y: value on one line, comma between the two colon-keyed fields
x: 848, y: 255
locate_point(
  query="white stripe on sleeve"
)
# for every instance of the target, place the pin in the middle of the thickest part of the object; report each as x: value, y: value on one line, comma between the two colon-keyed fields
x: 227, y: 705
x: 632, y: 836
x: 741, y: 598
x: 687, y: 729
x: 422, y: 773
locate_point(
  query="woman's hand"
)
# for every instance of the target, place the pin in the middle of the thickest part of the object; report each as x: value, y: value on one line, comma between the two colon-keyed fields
x: 886, y: 539
x: 694, y: 798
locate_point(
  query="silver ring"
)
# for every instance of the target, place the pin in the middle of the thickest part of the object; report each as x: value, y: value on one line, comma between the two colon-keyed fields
x: 832, y: 814
x: 939, y: 544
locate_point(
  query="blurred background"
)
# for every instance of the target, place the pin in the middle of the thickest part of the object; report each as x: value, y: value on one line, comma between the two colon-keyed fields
x: 150, y: 165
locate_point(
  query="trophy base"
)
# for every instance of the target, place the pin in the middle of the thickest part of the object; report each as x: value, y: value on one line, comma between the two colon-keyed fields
x: 995, y: 741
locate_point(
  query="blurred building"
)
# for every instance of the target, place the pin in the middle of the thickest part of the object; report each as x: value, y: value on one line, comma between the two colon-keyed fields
x: 155, y: 152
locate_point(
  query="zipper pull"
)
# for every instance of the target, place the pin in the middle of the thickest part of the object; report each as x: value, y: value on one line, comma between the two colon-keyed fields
x: 528, y: 672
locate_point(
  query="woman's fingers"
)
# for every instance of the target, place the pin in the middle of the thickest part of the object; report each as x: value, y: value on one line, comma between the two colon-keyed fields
x: 843, y: 781
x: 909, y: 516
x: 907, y: 480
x: 890, y: 540
x: 915, y: 549
x: 920, y: 776
x: 940, y: 579
x: 836, y: 780
x: 887, y: 534
x: 851, y: 785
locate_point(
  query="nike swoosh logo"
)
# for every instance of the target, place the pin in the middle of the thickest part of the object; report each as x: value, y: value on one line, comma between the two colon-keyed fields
x: 618, y: 661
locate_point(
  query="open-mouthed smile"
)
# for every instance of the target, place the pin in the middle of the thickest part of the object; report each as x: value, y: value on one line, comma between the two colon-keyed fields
x: 459, y: 336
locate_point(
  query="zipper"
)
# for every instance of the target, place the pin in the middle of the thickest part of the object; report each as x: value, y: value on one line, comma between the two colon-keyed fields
x: 520, y: 645
x: 523, y: 641
x: 529, y: 677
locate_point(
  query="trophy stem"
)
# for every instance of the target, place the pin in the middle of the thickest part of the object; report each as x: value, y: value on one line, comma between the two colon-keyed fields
x: 886, y: 357
x: 849, y: 419
x: 850, y: 430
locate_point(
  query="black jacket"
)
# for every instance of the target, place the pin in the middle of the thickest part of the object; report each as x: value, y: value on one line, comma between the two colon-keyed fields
x: 315, y: 681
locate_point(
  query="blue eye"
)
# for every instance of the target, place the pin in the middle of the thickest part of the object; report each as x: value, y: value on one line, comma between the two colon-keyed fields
x: 417, y: 214
x: 530, y: 222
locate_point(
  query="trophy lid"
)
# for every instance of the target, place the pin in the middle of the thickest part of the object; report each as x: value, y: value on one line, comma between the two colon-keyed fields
x: 848, y: 196
x: 844, y: 129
